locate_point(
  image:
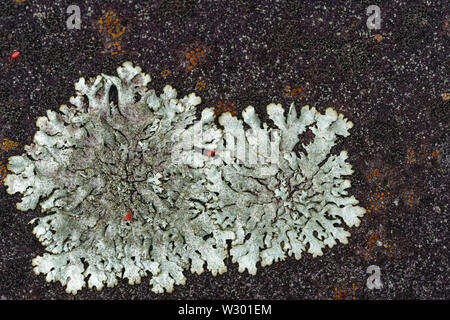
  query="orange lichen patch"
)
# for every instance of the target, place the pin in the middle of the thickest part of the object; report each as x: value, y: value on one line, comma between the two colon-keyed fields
x: 222, y: 107
x: 110, y: 22
x: 193, y: 57
x: 166, y: 73
x: 8, y: 144
x: 445, y: 96
x: 411, y: 197
x: 293, y: 92
x: 378, y: 197
x: 345, y: 293
x: 3, y: 172
x: 373, y: 240
x: 374, y: 243
x: 370, y: 246
x: 369, y: 256
x: 117, y: 47
x: 411, y: 156
x: 201, y: 85
x: 21, y: 1
x: 378, y: 37
x: 435, y: 153
x: 374, y: 173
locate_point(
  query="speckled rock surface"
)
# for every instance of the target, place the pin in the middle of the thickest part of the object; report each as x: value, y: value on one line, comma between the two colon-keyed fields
x: 257, y: 52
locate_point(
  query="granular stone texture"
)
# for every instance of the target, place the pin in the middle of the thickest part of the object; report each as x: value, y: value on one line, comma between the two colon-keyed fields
x: 391, y: 90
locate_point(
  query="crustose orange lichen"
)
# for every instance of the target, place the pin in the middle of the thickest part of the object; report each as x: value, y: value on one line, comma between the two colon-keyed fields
x: 193, y: 57
x: 222, y: 107
x: 377, y: 196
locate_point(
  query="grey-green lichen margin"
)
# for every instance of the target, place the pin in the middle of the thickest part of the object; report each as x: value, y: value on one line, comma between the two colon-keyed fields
x: 94, y: 161
x: 283, y: 203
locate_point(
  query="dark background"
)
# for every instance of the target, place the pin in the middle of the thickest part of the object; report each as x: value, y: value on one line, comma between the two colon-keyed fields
x: 391, y: 90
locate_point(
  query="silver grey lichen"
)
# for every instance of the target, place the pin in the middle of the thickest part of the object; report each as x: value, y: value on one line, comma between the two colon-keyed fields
x: 127, y: 192
x: 279, y: 202
x: 96, y: 161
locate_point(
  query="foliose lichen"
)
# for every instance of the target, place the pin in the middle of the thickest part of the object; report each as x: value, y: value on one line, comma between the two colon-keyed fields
x: 141, y: 186
x: 117, y: 206
x: 279, y: 202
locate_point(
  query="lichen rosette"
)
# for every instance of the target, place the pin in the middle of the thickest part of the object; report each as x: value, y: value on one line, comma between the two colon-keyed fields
x: 279, y: 201
x: 117, y: 203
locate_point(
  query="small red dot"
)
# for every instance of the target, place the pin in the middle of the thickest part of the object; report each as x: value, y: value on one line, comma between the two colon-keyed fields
x: 15, y: 54
x: 128, y: 216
